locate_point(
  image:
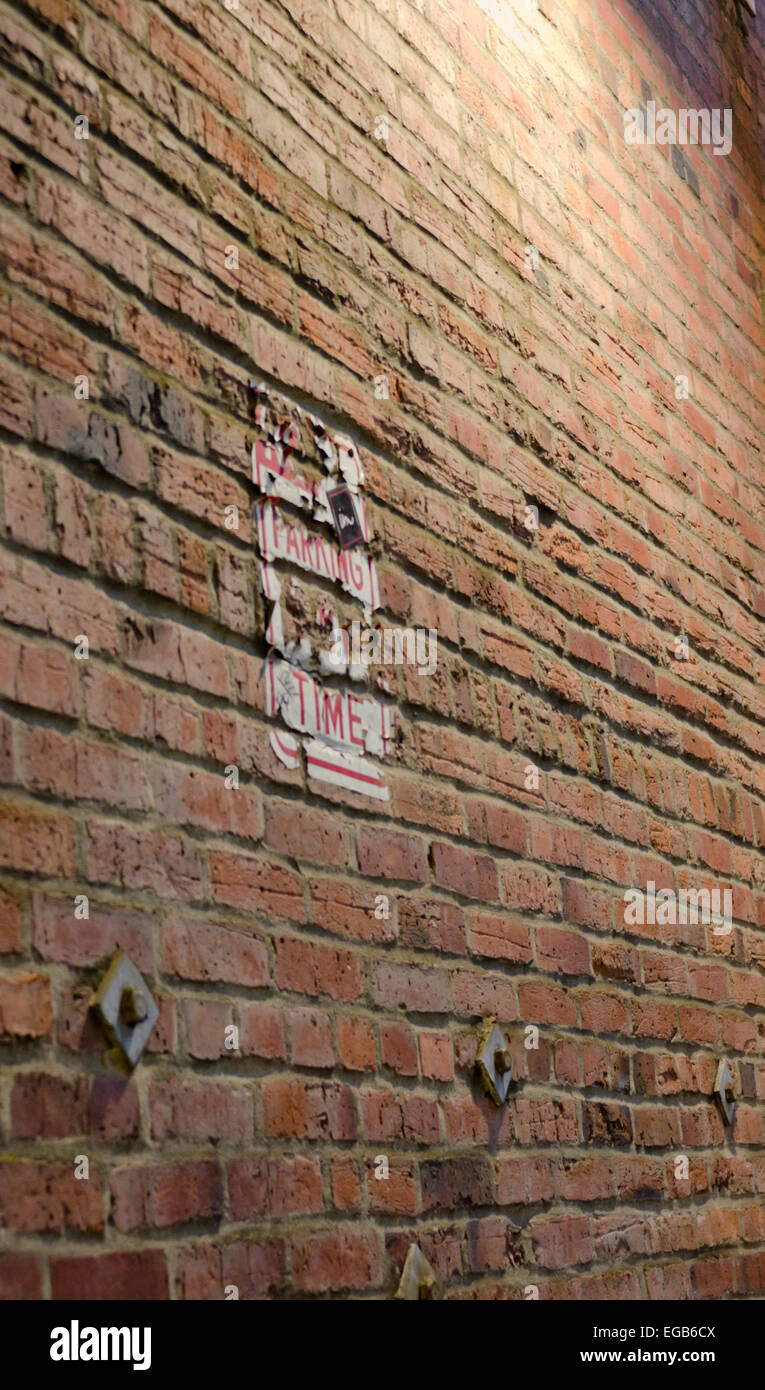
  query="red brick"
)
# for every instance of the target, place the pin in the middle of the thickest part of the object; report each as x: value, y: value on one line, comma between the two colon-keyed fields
x: 384, y: 854
x: 48, y: 1197
x: 255, y: 885
x: 166, y: 865
x: 20, y: 1277
x: 262, y: 1031
x: 396, y: 1194
x: 310, y: 1038
x: 212, y: 951
x: 26, y: 1010
x: 346, y: 1185
x: 338, y: 1259
x: 398, y: 1048
x: 349, y: 909
x: 455, y: 1182
x: 48, y: 1106
x: 414, y: 988
x: 544, y: 1003
x: 114, y: 1108
x: 524, y: 1181
x: 305, y: 833
x: 436, y: 1058
x: 561, y: 1241
x: 260, y: 1187
x: 493, y: 1244
x: 205, y: 1022
x: 30, y: 837
x: 256, y: 1267
x: 497, y: 934
x: 432, y: 923
x: 11, y: 920
x: 26, y: 518
x: 355, y: 1043
x: 470, y: 875
x: 297, y: 1109
x: 307, y: 967
x: 153, y: 1198
x: 132, y: 1275
x: 60, y: 936
x: 199, y: 1110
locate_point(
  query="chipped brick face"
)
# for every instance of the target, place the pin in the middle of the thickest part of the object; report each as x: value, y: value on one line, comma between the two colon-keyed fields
x: 531, y: 287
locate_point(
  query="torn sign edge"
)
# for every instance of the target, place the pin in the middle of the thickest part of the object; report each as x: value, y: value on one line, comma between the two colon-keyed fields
x: 351, y: 771
x: 286, y: 748
x: 349, y: 461
x: 283, y: 430
x: 271, y: 586
x: 338, y: 448
x: 272, y: 475
x: 300, y: 653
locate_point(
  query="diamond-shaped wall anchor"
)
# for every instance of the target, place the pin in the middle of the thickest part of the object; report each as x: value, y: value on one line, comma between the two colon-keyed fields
x: 417, y: 1278
x: 724, y: 1092
x: 124, y: 1004
x: 493, y: 1060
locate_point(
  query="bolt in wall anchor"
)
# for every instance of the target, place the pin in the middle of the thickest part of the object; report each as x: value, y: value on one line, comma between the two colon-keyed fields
x: 125, y: 1007
x: 724, y: 1092
x: 494, y: 1061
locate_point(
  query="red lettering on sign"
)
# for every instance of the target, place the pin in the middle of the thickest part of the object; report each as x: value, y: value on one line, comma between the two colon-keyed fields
x: 333, y: 719
x: 321, y: 558
x: 266, y: 455
x: 357, y: 570
x: 353, y: 719
x: 292, y: 542
x: 301, y: 677
x: 307, y: 542
x: 317, y: 704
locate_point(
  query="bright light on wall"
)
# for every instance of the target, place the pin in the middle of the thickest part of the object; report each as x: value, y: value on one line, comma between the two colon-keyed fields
x: 514, y: 18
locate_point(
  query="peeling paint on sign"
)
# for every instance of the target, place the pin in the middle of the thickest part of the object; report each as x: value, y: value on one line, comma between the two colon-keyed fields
x: 348, y: 720
x: 286, y: 748
x: 280, y: 539
x: 327, y: 764
x: 305, y: 466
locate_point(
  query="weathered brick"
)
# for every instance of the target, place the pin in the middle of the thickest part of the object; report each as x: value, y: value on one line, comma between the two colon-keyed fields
x: 48, y: 1197
x: 338, y: 1259
x: 132, y: 1275
x: 456, y: 1182
x: 20, y: 1277
x: 260, y: 1187
x: 153, y: 1198
x: 26, y: 1009
x: 199, y: 950
x: 501, y: 326
x: 199, y: 1110
x: 293, y: 1108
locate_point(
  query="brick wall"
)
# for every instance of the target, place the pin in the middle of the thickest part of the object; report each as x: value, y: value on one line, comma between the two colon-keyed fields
x: 531, y: 289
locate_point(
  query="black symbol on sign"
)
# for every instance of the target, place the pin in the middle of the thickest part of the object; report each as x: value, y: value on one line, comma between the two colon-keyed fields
x: 345, y: 517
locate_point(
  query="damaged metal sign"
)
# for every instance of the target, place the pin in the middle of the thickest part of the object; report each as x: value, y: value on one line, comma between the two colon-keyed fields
x: 305, y: 467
